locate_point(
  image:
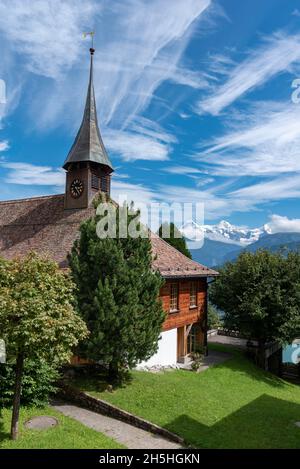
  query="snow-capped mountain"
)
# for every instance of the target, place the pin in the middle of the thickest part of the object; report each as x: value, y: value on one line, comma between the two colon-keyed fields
x: 223, y: 242
x: 223, y: 232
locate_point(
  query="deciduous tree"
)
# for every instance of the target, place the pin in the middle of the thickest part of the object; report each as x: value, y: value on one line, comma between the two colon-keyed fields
x: 260, y: 295
x: 37, y: 316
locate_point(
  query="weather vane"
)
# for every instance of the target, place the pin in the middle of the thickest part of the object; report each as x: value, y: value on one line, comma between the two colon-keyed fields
x: 92, y: 34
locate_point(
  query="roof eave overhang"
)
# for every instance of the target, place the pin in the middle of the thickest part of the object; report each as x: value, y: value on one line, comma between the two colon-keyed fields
x: 178, y: 277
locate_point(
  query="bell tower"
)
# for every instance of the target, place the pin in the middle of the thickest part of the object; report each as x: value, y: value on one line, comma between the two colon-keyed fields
x: 88, y: 167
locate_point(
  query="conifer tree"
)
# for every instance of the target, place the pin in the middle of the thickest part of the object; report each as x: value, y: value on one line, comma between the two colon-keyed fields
x: 118, y: 295
x: 172, y: 235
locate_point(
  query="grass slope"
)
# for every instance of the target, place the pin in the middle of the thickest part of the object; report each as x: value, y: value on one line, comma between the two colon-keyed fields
x: 69, y: 434
x: 232, y: 405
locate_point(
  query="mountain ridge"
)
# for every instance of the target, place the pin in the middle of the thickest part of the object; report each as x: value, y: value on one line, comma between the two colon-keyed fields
x: 223, y: 241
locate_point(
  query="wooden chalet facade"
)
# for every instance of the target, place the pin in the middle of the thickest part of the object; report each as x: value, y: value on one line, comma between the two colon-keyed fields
x: 49, y: 226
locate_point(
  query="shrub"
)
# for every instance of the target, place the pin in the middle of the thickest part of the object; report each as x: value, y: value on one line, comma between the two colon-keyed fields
x: 37, y: 385
x: 197, y: 358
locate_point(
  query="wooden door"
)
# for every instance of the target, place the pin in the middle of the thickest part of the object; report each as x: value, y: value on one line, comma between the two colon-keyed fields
x: 180, y: 342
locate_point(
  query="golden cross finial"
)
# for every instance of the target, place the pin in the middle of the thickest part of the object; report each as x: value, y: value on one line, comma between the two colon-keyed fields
x: 92, y: 34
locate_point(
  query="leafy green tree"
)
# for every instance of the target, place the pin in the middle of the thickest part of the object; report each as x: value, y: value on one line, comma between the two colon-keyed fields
x: 213, y: 319
x: 117, y: 294
x: 260, y: 295
x: 38, y: 382
x: 37, y: 316
x: 171, y: 234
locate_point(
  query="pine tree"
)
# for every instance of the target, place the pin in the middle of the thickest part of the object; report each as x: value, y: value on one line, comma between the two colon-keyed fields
x: 172, y: 235
x: 118, y: 296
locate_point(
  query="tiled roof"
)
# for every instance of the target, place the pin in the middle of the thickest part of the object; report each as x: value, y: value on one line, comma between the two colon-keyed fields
x: 172, y: 263
x: 41, y: 224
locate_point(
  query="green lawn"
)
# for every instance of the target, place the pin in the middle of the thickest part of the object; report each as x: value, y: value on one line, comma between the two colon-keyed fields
x: 232, y: 405
x: 69, y: 434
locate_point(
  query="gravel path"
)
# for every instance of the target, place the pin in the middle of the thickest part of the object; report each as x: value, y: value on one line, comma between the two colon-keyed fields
x: 127, y: 435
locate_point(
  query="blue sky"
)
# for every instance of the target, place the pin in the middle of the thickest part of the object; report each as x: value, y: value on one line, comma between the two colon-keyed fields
x: 193, y: 96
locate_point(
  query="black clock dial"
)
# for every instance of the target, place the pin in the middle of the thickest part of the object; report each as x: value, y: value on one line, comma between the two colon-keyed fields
x: 76, y: 188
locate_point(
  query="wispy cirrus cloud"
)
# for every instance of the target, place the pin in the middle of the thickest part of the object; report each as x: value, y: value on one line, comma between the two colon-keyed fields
x: 139, y: 45
x: 216, y: 203
x: 198, y: 175
x: 31, y: 175
x: 186, y: 170
x: 264, y: 141
x: 278, y: 53
x: 46, y: 34
x: 280, y: 188
x: 4, y: 145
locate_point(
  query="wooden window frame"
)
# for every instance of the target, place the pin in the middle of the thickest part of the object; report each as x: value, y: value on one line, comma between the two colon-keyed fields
x: 172, y: 309
x: 193, y: 294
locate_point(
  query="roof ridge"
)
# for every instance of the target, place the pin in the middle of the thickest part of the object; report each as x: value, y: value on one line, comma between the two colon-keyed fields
x: 28, y: 199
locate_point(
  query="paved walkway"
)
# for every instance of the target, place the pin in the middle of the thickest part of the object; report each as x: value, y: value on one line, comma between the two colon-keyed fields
x: 127, y: 435
x: 227, y: 340
x: 214, y: 357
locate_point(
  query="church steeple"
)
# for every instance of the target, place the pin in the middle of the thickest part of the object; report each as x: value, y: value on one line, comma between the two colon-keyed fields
x: 88, y: 165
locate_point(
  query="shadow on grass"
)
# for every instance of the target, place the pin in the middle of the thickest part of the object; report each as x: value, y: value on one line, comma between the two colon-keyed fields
x: 100, y: 382
x: 266, y: 422
x: 239, y: 363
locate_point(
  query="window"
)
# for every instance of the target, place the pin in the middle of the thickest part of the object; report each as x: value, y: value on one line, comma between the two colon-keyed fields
x: 174, y: 297
x: 104, y: 184
x: 193, y: 294
x: 95, y: 181
x: 193, y: 339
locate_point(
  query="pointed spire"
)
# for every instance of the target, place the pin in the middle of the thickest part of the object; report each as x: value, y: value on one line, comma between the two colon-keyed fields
x: 88, y: 144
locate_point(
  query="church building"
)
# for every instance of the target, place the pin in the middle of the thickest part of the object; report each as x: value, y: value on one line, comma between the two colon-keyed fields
x: 49, y: 226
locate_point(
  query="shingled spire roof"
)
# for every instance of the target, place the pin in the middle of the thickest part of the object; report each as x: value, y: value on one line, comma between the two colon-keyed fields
x: 88, y: 144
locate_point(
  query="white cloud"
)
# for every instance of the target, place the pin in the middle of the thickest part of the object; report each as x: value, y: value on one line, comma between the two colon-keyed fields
x: 199, y: 176
x: 4, y: 145
x: 145, y: 46
x: 280, y: 188
x: 279, y: 224
x: 186, y: 170
x: 139, y: 45
x: 139, y: 144
x: 277, y: 54
x: 138, y: 193
x: 216, y: 205
x: 31, y: 175
x: 264, y: 141
x: 46, y: 33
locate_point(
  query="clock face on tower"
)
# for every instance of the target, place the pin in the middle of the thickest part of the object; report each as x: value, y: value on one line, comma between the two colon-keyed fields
x: 76, y: 188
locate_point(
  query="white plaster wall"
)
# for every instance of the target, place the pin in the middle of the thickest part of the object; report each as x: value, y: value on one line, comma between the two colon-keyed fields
x: 167, y: 351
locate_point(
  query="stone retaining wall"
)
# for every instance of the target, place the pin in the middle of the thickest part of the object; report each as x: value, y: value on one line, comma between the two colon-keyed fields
x: 102, y: 407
